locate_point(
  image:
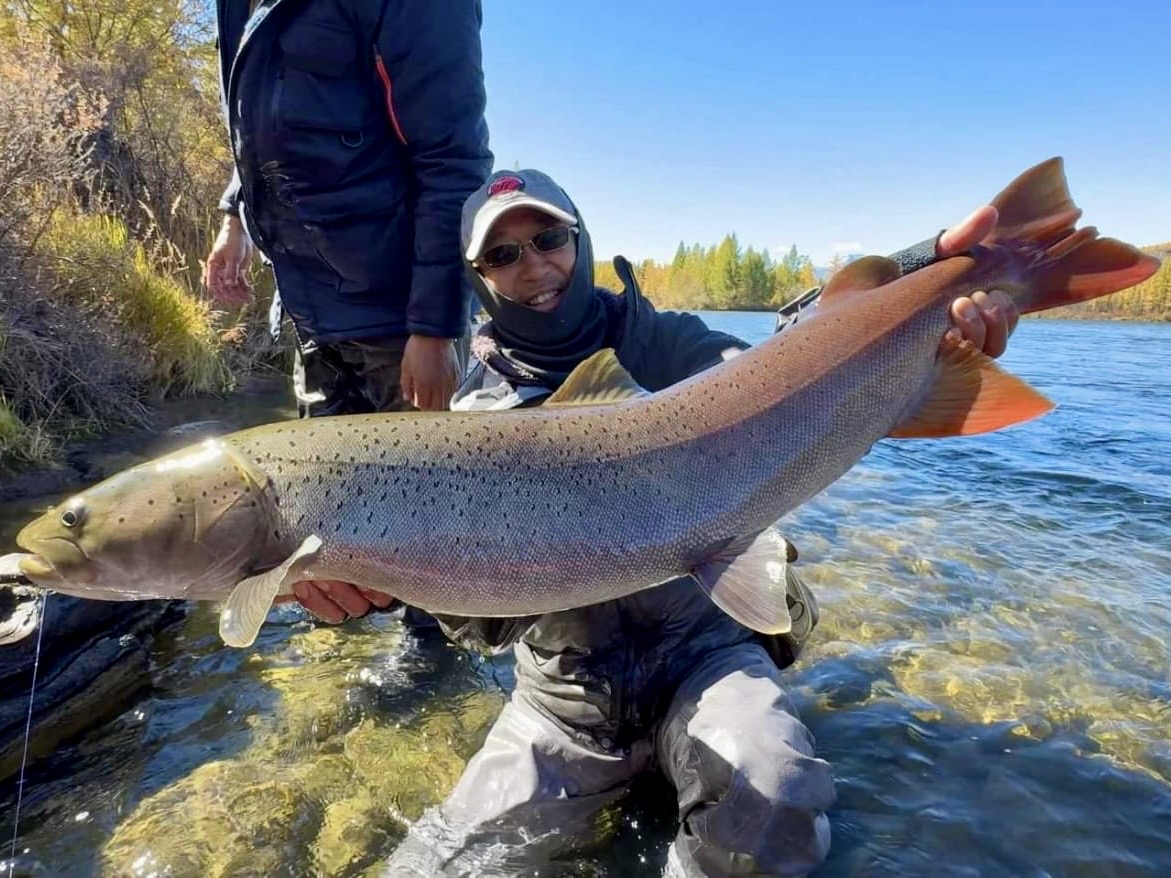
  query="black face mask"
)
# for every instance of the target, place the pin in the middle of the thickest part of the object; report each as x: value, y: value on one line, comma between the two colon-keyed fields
x: 544, y: 347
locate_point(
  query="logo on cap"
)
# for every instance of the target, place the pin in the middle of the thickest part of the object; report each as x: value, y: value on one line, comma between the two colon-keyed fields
x: 505, y: 184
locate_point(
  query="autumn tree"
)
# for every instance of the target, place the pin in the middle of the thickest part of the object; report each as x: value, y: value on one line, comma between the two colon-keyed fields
x: 160, y: 158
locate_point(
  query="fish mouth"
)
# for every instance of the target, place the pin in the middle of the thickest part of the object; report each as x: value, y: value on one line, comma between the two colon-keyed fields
x: 48, y: 556
x: 37, y: 568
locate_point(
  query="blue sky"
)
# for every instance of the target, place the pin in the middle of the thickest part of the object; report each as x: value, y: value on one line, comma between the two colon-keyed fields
x: 834, y: 126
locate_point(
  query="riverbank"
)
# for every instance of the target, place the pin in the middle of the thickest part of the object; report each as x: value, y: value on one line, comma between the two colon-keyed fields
x: 260, y: 398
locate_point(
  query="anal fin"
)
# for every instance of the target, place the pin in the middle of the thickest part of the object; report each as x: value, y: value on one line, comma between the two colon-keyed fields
x: 249, y: 603
x: 971, y: 395
x: 748, y: 580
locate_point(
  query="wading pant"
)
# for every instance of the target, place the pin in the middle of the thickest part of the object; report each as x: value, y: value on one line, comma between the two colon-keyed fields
x: 752, y: 796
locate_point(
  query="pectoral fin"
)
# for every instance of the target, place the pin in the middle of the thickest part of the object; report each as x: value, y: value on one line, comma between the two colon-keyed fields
x: 248, y: 605
x: 971, y: 395
x: 748, y: 580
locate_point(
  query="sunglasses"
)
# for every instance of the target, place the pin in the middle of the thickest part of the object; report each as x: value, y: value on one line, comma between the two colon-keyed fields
x: 550, y: 240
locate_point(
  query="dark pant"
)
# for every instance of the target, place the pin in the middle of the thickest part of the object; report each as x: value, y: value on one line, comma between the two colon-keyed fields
x: 354, y: 377
x: 752, y: 795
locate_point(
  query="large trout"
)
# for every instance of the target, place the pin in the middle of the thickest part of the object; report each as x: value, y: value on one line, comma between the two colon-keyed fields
x: 604, y: 490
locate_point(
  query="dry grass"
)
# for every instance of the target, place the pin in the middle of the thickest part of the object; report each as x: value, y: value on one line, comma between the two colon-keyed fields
x: 100, y: 271
x: 61, y: 377
x: 93, y: 322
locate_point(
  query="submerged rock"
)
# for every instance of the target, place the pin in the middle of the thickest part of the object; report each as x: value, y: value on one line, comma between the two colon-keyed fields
x: 328, y: 781
x: 92, y: 663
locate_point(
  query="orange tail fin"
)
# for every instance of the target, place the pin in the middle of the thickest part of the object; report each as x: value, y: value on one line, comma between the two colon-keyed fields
x: 1074, y: 265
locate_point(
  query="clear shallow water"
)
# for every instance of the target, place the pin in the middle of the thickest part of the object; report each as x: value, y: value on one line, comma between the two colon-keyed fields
x: 991, y: 677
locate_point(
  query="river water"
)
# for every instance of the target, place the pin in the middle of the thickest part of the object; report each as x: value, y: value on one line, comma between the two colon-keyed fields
x: 991, y: 678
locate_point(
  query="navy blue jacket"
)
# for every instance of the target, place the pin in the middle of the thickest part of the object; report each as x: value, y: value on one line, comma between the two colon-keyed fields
x: 358, y: 131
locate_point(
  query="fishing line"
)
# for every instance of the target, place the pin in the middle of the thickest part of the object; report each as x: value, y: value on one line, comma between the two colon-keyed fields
x: 43, y: 599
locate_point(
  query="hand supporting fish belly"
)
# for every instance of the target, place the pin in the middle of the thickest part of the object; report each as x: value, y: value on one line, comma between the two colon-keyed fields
x: 605, y: 489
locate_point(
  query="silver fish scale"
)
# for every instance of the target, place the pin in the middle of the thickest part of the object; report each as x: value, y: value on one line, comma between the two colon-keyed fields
x: 546, y: 509
x: 484, y: 515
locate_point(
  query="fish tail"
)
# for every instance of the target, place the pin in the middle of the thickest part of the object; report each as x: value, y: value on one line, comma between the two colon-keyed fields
x: 1073, y: 265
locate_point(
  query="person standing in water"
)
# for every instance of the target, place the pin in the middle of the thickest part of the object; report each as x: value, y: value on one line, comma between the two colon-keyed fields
x: 661, y: 680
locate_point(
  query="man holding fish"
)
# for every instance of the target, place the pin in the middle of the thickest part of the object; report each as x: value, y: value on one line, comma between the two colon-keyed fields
x: 661, y: 679
x: 590, y: 526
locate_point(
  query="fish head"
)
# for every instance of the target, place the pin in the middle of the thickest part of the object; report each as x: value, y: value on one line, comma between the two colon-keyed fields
x: 190, y: 524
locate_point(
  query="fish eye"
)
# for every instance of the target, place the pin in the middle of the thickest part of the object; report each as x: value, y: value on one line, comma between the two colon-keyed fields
x: 72, y: 517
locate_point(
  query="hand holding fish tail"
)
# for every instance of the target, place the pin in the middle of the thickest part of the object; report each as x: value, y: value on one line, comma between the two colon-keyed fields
x: 973, y: 229
x: 986, y: 319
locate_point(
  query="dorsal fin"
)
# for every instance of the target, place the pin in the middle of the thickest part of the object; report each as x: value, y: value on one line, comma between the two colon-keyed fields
x: 867, y: 273
x: 598, y: 380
